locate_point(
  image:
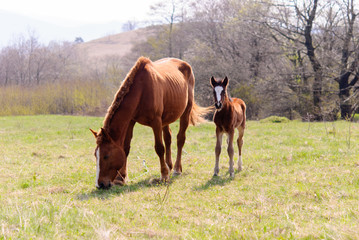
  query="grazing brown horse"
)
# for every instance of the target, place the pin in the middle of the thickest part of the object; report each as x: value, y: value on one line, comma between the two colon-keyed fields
x: 154, y: 94
x: 230, y: 115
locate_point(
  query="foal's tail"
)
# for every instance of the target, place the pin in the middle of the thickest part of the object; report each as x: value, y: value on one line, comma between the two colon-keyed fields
x: 198, y: 113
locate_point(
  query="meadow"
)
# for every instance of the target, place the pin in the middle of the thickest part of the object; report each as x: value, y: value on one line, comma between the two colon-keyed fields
x: 299, y: 180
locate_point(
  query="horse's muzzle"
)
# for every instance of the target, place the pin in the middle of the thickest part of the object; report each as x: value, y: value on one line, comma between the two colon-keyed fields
x: 218, y: 105
x: 103, y: 185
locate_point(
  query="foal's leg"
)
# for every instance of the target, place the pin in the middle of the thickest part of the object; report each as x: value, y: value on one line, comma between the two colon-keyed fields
x: 240, y: 144
x: 122, y: 173
x: 160, y: 149
x: 218, y: 148
x: 181, y: 138
x: 230, y: 151
x: 167, y: 138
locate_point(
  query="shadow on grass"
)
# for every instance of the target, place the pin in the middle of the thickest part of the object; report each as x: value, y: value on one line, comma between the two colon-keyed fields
x: 215, y: 181
x: 114, y: 191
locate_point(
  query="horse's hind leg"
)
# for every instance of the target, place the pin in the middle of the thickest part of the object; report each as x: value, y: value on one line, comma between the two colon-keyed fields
x: 218, y: 148
x: 160, y: 149
x: 230, y: 151
x: 167, y: 138
x: 181, y: 138
x: 240, y: 144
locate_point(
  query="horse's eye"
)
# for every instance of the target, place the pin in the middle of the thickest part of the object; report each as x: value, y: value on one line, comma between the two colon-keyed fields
x: 105, y: 157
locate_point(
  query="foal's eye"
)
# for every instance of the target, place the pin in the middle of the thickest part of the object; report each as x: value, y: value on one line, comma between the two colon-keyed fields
x: 105, y: 157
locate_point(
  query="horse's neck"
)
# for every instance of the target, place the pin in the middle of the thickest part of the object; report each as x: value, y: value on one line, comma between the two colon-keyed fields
x: 120, y: 123
x: 227, y: 104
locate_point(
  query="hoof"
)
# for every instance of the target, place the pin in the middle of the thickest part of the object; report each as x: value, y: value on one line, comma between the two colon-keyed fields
x: 119, y: 182
x: 231, y: 175
x: 157, y: 181
x: 215, y: 175
x: 165, y: 178
x: 175, y: 173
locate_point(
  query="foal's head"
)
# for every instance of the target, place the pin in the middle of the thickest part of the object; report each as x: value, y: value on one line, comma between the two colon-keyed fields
x: 219, y: 91
x: 109, y: 160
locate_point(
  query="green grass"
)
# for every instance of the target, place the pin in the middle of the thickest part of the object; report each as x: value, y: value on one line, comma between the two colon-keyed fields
x: 300, y: 181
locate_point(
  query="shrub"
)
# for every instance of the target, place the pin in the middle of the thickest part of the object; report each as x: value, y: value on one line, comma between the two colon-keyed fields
x: 274, y: 119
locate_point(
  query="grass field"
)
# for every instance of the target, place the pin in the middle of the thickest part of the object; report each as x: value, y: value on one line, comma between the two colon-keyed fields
x: 300, y: 181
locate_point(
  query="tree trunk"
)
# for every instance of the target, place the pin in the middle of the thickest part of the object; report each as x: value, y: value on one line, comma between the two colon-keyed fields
x: 344, y: 94
x: 345, y: 72
x: 170, y: 40
x: 317, y: 68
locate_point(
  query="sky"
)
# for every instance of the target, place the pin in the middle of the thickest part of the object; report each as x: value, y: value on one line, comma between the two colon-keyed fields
x: 51, y: 18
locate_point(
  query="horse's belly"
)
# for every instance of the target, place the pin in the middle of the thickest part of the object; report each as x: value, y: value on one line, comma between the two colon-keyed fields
x: 171, y: 112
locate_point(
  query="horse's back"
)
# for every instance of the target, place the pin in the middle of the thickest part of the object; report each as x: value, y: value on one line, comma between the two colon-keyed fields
x: 173, y: 69
x: 166, y: 85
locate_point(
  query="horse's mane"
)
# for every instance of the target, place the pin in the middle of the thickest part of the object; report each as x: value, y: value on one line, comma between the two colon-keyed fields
x: 124, y: 89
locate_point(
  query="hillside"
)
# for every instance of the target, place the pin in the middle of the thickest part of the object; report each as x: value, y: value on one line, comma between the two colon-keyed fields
x: 117, y: 44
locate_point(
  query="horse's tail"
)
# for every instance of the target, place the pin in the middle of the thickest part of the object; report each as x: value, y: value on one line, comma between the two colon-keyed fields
x: 198, y: 113
x: 244, y: 108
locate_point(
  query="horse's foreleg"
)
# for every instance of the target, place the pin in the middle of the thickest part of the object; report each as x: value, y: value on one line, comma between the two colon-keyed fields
x: 230, y: 151
x: 129, y: 134
x: 181, y: 138
x: 218, y: 148
x: 167, y: 138
x: 240, y: 144
x: 122, y: 174
x: 160, y: 149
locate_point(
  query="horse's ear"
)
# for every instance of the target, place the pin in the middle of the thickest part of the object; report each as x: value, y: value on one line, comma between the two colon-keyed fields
x: 107, y: 136
x: 213, y: 82
x: 94, y: 133
x: 225, y: 82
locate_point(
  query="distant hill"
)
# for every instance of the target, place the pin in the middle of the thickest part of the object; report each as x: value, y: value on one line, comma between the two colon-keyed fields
x: 117, y: 44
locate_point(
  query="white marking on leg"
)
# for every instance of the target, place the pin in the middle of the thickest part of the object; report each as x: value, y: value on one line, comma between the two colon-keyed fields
x: 97, y: 165
x: 218, y: 91
x: 240, y: 163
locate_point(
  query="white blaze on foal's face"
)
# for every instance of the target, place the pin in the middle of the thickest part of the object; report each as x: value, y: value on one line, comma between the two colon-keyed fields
x: 218, y: 91
x: 97, y: 165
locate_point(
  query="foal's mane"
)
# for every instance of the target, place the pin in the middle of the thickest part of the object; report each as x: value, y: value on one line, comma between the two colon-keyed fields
x: 124, y: 89
x: 229, y: 95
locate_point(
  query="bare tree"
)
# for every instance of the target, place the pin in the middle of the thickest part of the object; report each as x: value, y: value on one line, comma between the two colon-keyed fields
x: 129, y: 25
x: 295, y: 22
x: 230, y: 39
x: 170, y: 12
x: 349, y: 61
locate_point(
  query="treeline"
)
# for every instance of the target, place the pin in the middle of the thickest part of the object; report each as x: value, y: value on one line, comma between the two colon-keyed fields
x: 293, y: 58
x: 53, y: 79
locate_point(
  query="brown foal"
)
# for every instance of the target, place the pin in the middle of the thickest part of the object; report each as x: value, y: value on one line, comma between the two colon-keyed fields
x: 230, y: 115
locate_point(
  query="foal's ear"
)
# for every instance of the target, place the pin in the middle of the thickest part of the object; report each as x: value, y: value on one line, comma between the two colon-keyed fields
x: 94, y: 133
x: 213, y: 82
x: 225, y: 82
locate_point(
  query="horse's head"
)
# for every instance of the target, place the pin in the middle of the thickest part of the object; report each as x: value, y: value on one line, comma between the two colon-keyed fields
x: 219, y: 91
x: 110, y: 158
